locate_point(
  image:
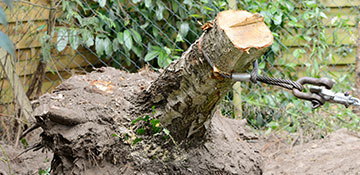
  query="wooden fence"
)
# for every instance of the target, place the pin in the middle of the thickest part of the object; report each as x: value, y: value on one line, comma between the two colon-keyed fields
x: 27, y: 23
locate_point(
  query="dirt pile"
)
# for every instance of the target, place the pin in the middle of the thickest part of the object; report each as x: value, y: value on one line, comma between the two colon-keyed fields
x: 339, y: 153
x: 82, y: 115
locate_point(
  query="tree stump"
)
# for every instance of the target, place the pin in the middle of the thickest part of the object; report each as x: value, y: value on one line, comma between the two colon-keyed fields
x: 188, y: 91
x: 88, y: 121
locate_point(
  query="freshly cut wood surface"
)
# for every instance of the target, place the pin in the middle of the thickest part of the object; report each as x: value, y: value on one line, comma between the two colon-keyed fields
x: 244, y: 29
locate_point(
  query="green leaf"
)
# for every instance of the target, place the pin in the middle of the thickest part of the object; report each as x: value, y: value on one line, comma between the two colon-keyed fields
x: 136, y: 1
x: 3, y: 17
x: 155, y: 122
x: 166, y: 131
x: 115, y: 45
x: 120, y: 37
x: 184, y: 29
x: 62, y: 39
x: 161, y: 59
x: 148, y: 3
x: 175, y: 6
x: 108, y: 47
x: 74, y: 39
x: 140, y: 131
x: 151, y: 55
x: 277, y: 19
x: 136, y: 36
x: 102, y: 3
x: 137, y: 51
x: 188, y: 2
x: 159, y: 11
x: 136, y: 140
x: 90, y: 41
x: 179, y: 38
x: 127, y: 39
x: 167, y: 50
x: 99, y: 46
x: 7, y: 44
x: 41, y: 27
x: 322, y: 14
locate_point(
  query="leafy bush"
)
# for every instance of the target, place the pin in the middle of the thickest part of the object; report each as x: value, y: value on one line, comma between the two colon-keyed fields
x: 135, y: 32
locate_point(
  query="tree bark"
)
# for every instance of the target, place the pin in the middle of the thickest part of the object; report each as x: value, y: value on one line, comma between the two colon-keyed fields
x: 188, y: 91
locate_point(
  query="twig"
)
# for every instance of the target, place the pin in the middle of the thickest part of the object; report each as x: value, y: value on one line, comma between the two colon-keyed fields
x: 34, y: 147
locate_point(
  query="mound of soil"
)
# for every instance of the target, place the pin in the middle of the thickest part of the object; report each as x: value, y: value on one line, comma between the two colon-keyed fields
x: 79, y: 120
x: 339, y: 153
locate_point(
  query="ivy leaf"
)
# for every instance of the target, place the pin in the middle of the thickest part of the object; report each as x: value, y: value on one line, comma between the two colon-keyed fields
x: 120, y: 37
x: 127, y: 39
x: 161, y: 59
x: 148, y: 3
x: 277, y: 19
x: 108, y: 47
x: 179, y: 38
x: 137, y: 51
x: 184, y: 29
x: 167, y: 50
x: 3, y: 17
x: 87, y: 38
x: 74, y: 39
x: 90, y: 41
x: 151, y: 55
x: 6, y: 43
x: 115, y: 45
x: 99, y: 46
x: 102, y: 3
x: 159, y: 11
x: 136, y: 36
x: 62, y: 39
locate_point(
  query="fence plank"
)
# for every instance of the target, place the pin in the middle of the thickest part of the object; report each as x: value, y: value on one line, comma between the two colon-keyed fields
x: 22, y: 11
x: 336, y: 59
x: 342, y: 36
x: 7, y: 65
x: 340, y: 3
x: 49, y: 84
x: 63, y: 62
x: 347, y: 13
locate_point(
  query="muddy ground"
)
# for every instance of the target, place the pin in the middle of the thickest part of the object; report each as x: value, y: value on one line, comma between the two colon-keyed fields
x: 229, y: 148
x: 339, y: 153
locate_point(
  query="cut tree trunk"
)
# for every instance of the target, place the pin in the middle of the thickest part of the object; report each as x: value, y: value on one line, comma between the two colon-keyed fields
x: 88, y: 121
x: 188, y: 91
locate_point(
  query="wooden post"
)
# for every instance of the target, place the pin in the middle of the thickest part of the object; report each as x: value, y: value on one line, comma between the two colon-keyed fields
x: 8, y: 65
x: 357, y: 70
x: 237, y: 86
